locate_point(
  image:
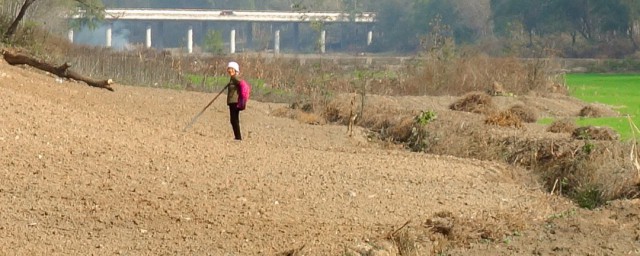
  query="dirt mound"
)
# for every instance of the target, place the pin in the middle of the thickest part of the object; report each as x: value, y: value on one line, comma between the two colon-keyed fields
x: 87, y: 171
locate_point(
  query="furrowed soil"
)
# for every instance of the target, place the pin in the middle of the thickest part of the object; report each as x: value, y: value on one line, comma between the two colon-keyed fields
x: 85, y: 171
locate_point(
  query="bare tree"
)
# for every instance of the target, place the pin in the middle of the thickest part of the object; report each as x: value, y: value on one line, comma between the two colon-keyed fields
x: 14, y: 25
x: 92, y: 8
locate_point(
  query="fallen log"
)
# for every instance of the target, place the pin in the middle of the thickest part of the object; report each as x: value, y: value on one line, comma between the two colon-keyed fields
x: 61, y: 71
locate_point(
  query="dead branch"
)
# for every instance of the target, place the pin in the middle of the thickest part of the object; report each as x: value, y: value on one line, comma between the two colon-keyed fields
x: 61, y: 71
x: 395, y: 232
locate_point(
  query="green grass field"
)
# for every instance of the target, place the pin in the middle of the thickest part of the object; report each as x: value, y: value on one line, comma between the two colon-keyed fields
x: 621, y: 91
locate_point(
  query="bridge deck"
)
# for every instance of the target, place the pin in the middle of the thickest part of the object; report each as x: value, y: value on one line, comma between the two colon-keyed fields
x: 228, y: 15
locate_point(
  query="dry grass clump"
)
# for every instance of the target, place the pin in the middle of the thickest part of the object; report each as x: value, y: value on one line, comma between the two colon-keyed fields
x: 474, y: 102
x: 497, y: 89
x: 378, y: 122
x: 402, y: 130
x: 304, y: 106
x: 336, y: 111
x: 595, y: 133
x: 442, y: 232
x: 560, y: 88
x: 526, y: 114
x: 381, y: 117
x: 461, y: 231
x: 591, y: 111
x: 380, y: 246
x: 589, y: 172
x: 309, y: 118
x: 297, y: 114
x: 504, y: 119
x: 565, y: 125
x: 450, y: 75
x: 377, y: 116
x: 298, y: 251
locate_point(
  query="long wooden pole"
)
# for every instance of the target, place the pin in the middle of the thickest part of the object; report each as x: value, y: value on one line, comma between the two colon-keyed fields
x: 195, y: 118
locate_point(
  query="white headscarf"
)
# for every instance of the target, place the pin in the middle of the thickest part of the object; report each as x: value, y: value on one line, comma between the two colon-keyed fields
x: 234, y: 65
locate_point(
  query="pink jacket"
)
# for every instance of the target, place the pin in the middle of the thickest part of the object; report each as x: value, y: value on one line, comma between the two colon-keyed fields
x: 243, y: 94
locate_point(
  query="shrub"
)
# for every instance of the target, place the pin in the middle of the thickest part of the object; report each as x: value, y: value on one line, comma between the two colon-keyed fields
x: 297, y: 114
x: 334, y: 111
x: 425, y: 117
x: 588, y: 197
x: 402, y: 130
x: 594, y: 133
x: 418, y: 140
x: 332, y: 114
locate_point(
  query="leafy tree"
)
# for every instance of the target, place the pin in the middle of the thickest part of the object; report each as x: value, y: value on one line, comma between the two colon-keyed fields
x: 593, y: 20
x: 213, y: 42
x: 395, y: 24
x: 409, y: 20
x: 448, y: 13
x: 474, y: 18
x: 633, y: 8
x: 530, y: 14
x: 580, y: 16
x: 92, y: 13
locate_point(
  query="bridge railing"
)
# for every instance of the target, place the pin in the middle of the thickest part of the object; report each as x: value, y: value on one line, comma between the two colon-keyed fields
x: 231, y: 15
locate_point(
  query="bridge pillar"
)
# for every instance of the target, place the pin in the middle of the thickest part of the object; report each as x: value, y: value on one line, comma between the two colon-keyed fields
x: 323, y: 41
x: 276, y: 42
x: 108, y: 35
x: 70, y: 35
x: 148, y: 37
x: 232, y: 41
x: 190, y: 39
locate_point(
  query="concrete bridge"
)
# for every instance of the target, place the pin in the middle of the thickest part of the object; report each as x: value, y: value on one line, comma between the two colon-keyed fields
x: 156, y: 18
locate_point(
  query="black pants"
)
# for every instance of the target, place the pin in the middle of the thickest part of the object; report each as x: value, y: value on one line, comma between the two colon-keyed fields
x: 234, y: 117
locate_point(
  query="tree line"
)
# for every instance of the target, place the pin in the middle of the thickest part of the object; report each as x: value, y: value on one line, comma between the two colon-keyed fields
x: 573, y: 28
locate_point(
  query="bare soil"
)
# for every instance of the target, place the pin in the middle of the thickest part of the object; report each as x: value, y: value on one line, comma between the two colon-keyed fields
x: 85, y: 171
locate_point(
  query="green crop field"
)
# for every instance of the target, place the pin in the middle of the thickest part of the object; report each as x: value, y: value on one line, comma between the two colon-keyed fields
x: 621, y: 91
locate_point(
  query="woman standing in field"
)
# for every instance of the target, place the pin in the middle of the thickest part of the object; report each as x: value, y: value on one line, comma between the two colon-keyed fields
x: 236, y: 98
